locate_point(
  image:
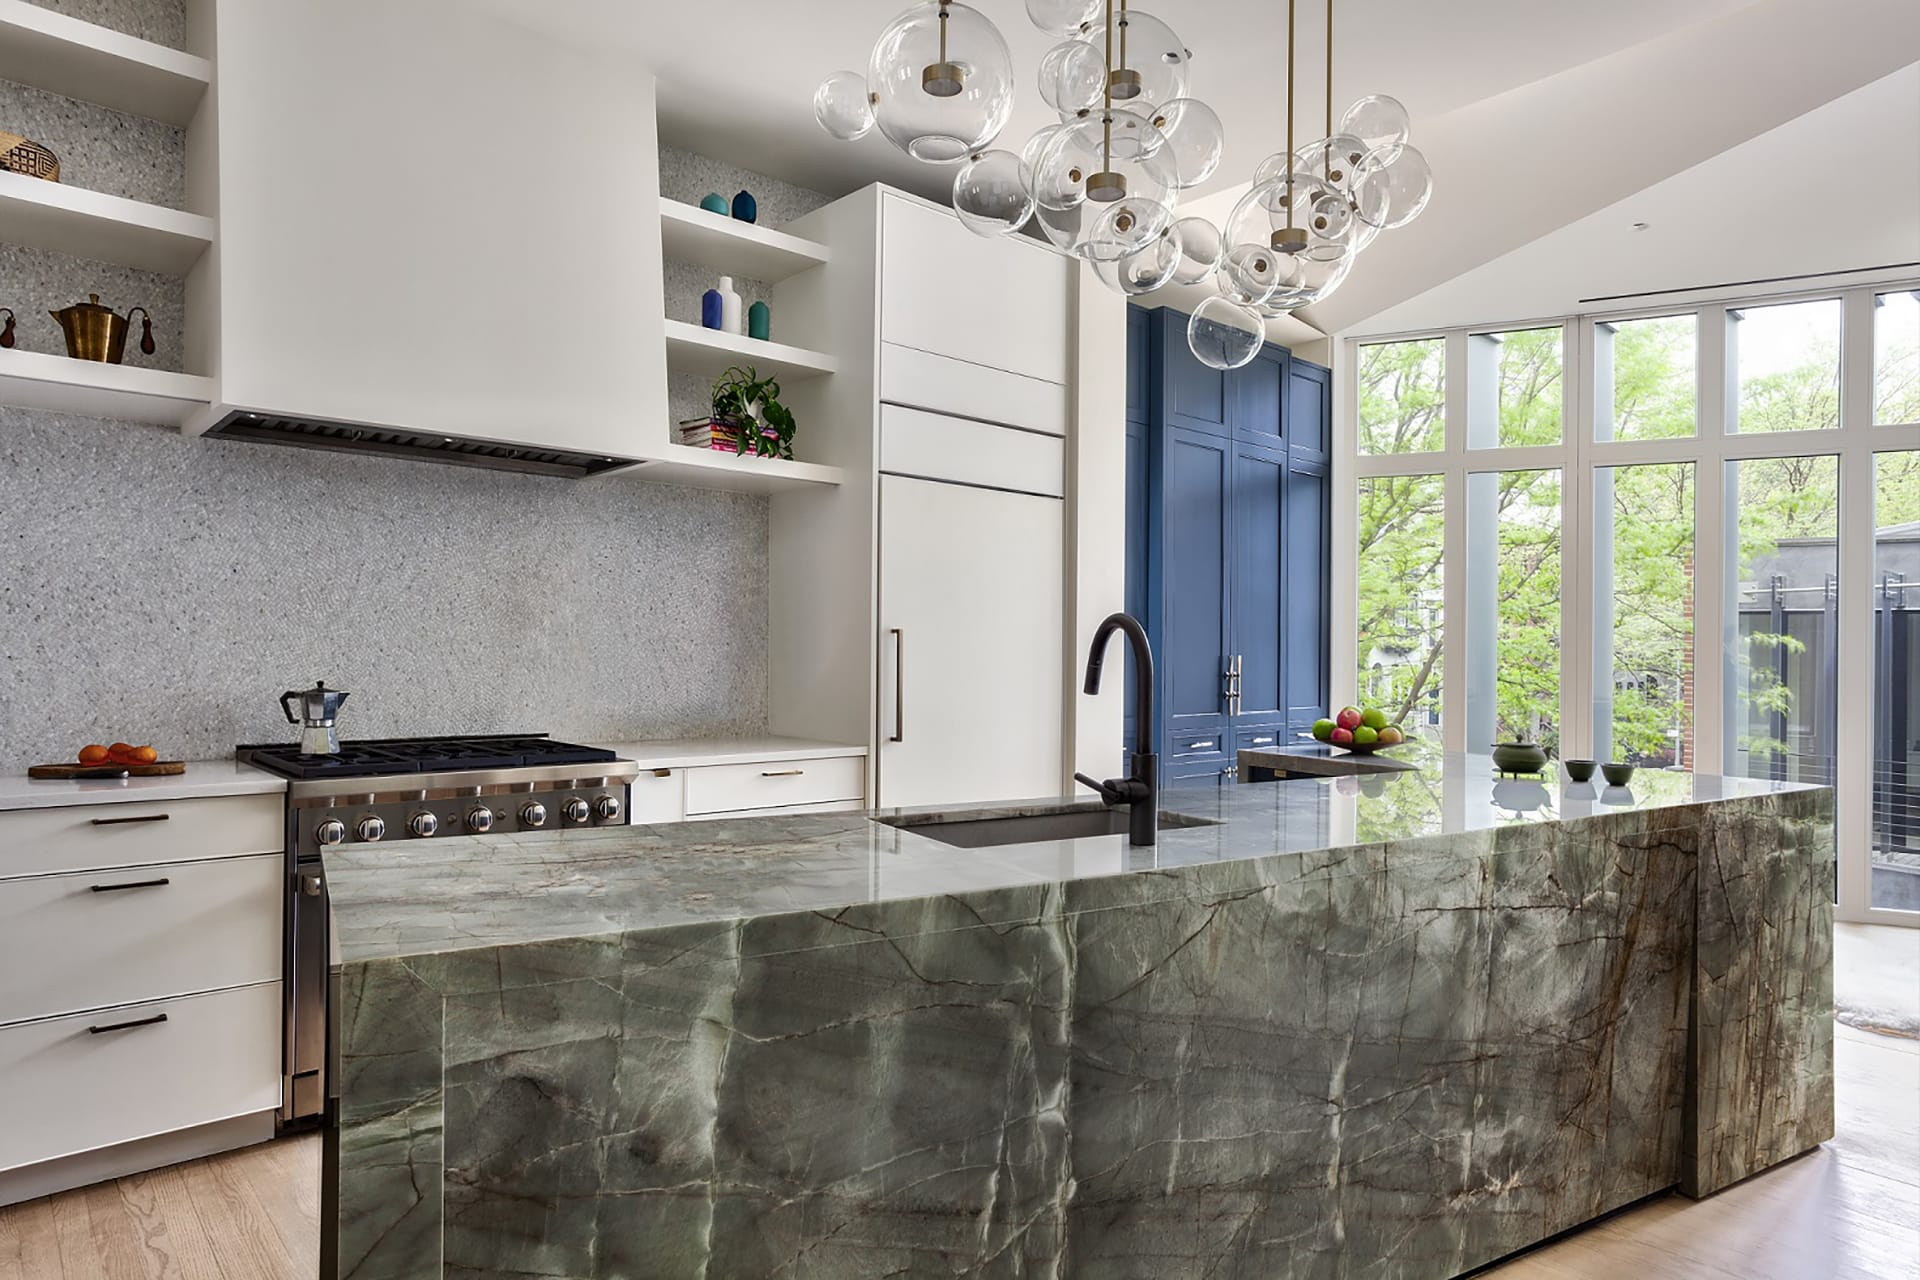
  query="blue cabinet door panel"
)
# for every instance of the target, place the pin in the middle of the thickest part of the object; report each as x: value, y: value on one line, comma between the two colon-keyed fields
x: 1192, y: 396
x: 1194, y: 580
x: 1310, y: 410
x: 1259, y: 394
x: 1138, y: 555
x: 1139, y: 370
x: 1258, y: 604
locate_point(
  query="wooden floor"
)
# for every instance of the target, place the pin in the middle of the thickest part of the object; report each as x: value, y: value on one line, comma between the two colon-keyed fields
x: 1850, y: 1209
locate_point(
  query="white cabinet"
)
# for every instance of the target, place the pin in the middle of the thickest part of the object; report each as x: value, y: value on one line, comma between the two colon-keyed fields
x: 434, y: 220
x: 775, y: 784
x: 972, y: 611
x: 1000, y: 303
x: 657, y: 795
x: 139, y: 833
x: 691, y: 779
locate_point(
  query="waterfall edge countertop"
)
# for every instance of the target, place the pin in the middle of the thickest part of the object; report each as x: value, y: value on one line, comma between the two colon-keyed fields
x: 454, y: 893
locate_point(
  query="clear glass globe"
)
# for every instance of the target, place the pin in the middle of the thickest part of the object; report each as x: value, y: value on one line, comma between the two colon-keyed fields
x: 1195, y: 138
x: 1200, y: 250
x: 1249, y: 273
x: 1225, y: 334
x: 1063, y: 228
x: 1335, y: 160
x: 940, y: 111
x: 842, y: 107
x: 1155, y: 52
x: 1379, y: 122
x: 1073, y: 77
x: 1121, y: 228
x: 1145, y: 269
x: 1062, y: 17
x: 989, y: 196
x: 1395, y: 185
x: 1310, y: 280
x: 1079, y: 151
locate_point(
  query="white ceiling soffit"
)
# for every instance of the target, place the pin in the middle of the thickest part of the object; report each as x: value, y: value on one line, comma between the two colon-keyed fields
x: 1512, y: 168
x: 1836, y: 190
x: 737, y: 76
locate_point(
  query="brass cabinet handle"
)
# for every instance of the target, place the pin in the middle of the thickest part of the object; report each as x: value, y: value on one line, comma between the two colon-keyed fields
x: 139, y: 817
x: 781, y: 773
x: 899, y: 685
x: 131, y: 884
x: 663, y: 773
x: 124, y: 1026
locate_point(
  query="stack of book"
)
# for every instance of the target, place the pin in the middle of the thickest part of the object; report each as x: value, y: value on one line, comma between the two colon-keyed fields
x: 706, y: 433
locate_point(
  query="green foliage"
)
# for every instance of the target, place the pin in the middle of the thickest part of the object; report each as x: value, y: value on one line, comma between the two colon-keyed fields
x: 1403, y: 396
x: 751, y: 404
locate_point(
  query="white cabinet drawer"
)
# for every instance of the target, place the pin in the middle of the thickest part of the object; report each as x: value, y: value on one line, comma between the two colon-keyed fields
x: 933, y: 446
x: 97, y: 938
x: 774, y: 784
x: 212, y: 1057
x: 658, y: 795
x: 1000, y: 302
x: 84, y: 837
x: 927, y: 380
x: 784, y: 811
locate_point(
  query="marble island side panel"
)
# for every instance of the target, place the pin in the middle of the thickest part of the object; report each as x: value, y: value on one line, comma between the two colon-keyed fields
x: 1395, y: 1058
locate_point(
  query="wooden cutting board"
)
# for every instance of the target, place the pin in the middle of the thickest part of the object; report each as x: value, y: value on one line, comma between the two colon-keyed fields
x: 158, y: 769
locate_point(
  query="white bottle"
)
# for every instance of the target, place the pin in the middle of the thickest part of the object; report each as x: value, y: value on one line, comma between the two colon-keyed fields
x: 729, y: 307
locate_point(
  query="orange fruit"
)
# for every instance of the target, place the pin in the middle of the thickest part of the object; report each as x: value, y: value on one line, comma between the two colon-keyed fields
x: 93, y: 753
x: 143, y: 755
x: 118, y: 747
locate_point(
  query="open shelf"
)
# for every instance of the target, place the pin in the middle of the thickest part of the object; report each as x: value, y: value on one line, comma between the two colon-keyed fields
x: 708, y: 352
x: 712, y: 469
x: 82, y: 60
x: 689, y: 233
x: 31, y: 380
x: 91, y: 224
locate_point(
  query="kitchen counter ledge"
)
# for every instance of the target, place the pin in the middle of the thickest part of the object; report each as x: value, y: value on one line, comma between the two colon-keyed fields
x: 1394, y: 1025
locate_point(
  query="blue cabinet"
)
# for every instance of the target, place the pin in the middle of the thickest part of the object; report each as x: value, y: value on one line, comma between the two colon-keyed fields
x: 1227, y: 541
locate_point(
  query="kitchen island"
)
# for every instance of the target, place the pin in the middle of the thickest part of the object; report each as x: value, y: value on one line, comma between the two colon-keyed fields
x: 1394, y: 1025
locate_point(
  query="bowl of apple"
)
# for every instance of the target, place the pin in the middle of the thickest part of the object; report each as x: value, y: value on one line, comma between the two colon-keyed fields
x: 1361, y: 730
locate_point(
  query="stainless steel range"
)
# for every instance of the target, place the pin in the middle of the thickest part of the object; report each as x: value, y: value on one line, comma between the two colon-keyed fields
x: 398, y: 789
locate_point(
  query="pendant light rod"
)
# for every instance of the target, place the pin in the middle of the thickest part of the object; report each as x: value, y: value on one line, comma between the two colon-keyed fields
x: 1329, y: 132
x: 1289, y: 239
x: 1107, y: 185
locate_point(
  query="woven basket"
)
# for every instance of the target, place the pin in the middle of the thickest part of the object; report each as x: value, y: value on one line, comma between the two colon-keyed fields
x: 18, y: 155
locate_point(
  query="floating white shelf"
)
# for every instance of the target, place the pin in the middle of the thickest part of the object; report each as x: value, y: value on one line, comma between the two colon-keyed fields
x: 692, y: 349
x: 712, y: 469
x: 689, y: 233
x: 91, y: 224
x: 34, y: 381
x: 83, y: 60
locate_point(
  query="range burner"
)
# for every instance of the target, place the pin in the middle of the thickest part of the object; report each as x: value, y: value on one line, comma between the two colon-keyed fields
x: 384, y: 757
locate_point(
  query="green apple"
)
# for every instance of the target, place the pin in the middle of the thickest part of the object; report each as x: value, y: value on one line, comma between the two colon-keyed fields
x: 1374, y: 718
x: 1391, y: 736
x: 1323, y: 730
x: 1365, y: 736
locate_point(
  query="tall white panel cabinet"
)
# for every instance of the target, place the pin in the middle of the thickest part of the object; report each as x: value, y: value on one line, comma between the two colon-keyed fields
x: 920, y: 607
x: 431, y: 219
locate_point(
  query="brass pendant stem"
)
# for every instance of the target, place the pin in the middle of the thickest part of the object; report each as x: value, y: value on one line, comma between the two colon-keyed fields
x: 1326, y: 155
x: 1106, y: 115
x: 1292, y: 82
x: 943, y: 29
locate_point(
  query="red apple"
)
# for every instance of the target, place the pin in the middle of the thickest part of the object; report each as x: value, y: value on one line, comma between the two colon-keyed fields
x: 1342, y: 737
x: 1348, y: 719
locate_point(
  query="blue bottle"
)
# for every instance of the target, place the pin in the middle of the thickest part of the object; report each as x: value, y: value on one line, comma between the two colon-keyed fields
x: 745, y: 208
x: 710, y: 309
x: 714, y: 202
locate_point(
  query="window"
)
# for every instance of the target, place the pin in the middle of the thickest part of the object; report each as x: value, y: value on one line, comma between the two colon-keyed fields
x: 1896, y: 357
x: 1644, y: 372
x: 1513, y: 608
x: 1643, y: 654
x: 1514, y: 388
x: 1788, y: 357
x: 1402, y: 549
x: 1783, y: 587
x: 1895, y: 866
x: 1403, y: 396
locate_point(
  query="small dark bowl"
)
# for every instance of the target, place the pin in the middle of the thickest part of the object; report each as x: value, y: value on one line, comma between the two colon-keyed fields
x: 1580, y: 770
x: 1616, y: 774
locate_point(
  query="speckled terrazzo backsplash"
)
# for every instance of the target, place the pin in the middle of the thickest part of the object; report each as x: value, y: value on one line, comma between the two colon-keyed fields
x: 687, y: 177
x: 161, y: 21
x: 99, y: 149
x: 159, y: 588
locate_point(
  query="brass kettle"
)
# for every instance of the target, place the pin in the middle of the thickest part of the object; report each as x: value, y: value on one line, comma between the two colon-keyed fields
x: 95, y: 332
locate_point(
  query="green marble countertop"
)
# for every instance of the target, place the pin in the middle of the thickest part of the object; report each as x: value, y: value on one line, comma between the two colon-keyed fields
x: 454, y: 893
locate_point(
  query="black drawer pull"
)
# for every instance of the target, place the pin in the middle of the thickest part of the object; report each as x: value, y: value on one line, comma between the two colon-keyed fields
x: 131, y: 884
x: 122, y: 1026
x: 144, y: 817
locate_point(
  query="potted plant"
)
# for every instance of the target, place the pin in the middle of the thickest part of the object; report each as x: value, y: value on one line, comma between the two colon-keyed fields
x: 750, y: 404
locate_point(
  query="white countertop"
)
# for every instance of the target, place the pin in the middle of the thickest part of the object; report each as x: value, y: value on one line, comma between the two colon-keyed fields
x: 202, y: 778
x: 674, y: 753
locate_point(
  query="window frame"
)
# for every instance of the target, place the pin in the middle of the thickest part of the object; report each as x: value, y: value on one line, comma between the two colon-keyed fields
x: 1578, y: 455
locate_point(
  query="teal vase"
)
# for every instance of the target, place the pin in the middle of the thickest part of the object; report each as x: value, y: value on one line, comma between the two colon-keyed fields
x: 759, y: 321
x: 714, y: 202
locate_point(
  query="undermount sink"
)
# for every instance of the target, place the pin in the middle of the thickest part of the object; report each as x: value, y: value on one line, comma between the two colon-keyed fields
x: 1028, y: 828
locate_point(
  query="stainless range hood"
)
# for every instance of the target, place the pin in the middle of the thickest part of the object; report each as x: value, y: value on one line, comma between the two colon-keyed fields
x: 347, y: 437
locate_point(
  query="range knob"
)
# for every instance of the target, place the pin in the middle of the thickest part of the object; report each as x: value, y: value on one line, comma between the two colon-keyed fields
x: 534, y: 815
x: 575, y: 810
x: 330, y: 832
x: 480, y: 818
x: 371, y: 828
x: 423, y: 824
x: 606, y: 808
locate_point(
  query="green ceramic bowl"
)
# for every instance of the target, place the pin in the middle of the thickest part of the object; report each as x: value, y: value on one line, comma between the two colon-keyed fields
x: 1519, y: 757
x: 1617, y: 775
x: 1580, y: 770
